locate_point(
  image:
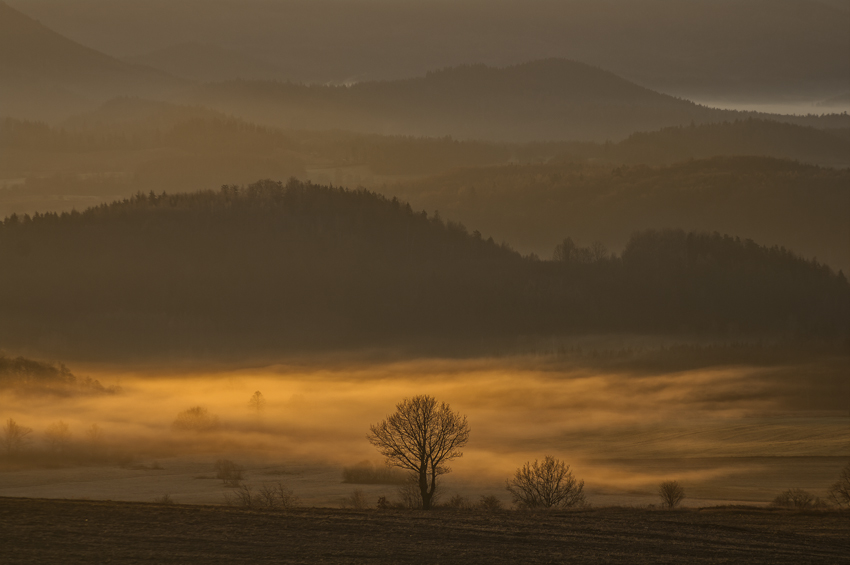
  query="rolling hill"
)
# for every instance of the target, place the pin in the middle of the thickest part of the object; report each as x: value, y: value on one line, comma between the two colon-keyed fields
x: 553, y: 99
x: 297, y: 267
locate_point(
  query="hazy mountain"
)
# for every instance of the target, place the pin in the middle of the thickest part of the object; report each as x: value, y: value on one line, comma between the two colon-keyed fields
x: 46, y: 75
x: 774, y: 49
x: 280, y: 268
x: 207, y: 63
x: 551, y: 99
x: 533, y: 206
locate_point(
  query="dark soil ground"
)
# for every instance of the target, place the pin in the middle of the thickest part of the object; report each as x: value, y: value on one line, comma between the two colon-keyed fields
x: 72, y: 531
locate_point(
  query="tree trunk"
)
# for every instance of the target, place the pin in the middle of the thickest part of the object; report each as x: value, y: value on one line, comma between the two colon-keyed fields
x: 423, y: 489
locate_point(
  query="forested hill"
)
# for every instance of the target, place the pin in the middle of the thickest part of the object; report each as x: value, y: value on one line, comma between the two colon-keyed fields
x: 272, y: 267
x: 552, y: 99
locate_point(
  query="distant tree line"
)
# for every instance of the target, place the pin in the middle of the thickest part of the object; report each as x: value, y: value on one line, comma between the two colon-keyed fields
x: 280, y: 267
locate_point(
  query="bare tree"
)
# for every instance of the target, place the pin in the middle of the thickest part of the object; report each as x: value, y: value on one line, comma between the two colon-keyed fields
x: 671, y: 493
x: 421, y: 436
x: 94, y: 438
x: 550, y: 484
x: 15, y: 436
x: 257, y: 403
x: 839, y: 493
x: 58, y: 436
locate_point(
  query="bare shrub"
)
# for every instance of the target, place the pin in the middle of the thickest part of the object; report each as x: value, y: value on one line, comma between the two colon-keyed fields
x: 550, y: 484
x: 357, y: 500
x: 229, y: 472
x: 58, y: 436
x: 671, y: 493
x: 489, y: 503
x: 164, y: 499
x: 798, y: 499
x: 366, y: 473
x: 459, y: 502
x: 384, y: 504
x: 839, y: 493
x: 15, y: 436
x: 241, y: 496
x: 196, y: 419
x: 276, y: 496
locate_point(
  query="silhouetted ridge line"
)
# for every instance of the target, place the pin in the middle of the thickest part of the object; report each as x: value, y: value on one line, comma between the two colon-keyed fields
x: 273, y: 267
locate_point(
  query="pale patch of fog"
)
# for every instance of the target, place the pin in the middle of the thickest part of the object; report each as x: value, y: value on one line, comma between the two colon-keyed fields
x: 613, y: 428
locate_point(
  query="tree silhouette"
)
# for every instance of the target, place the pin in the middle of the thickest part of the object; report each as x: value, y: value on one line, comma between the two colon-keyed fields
x: 421, y: 436
x: 15, y: 436
x: 257, y: 402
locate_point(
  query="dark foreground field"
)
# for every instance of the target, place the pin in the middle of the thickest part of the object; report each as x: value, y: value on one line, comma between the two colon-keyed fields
x: 64, y: 531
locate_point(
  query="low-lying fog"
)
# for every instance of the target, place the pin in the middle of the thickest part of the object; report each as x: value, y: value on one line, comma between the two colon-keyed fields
x: 727, y: 434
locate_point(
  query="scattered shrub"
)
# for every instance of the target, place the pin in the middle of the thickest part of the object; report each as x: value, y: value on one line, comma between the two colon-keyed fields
x: 196, y: 419
x: 276, y: 496
x: 366, y: 473
x: 164, y: 499
x: 357, y: 500
x: 383, y: 503
x: 798, y: 499
x: 459, y: 502
x: 229, y: 472
x: 241, y: 496
x: 547, y: 485
x: 489, y: 503
x: 671, y: 493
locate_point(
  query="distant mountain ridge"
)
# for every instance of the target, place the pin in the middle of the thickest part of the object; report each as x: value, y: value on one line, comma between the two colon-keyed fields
x: 552, y: 99
x: 46, y: 75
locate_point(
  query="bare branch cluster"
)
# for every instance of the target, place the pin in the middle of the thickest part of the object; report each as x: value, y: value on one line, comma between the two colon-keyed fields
x: 549, y: 484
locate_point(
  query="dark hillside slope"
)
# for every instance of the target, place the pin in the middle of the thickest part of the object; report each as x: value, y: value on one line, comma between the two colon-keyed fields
x: 272, y: 268
x: 552, y: 99
x: 45, y: 75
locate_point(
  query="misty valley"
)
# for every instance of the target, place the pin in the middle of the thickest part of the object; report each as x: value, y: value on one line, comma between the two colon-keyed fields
x: 424, y: 282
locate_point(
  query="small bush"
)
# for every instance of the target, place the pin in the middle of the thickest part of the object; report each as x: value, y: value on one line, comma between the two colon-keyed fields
x: 671, y: 493
x: 550, y: 484
x: 366, y: 473
x: 164, y: 499
x: 489, y: 503
x: 357, y: 500
x: 798, y: 499
x: 196, y: 419
x: 229, y: 472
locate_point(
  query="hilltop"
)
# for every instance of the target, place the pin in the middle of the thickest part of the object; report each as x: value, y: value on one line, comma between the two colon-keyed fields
x: 296, y: 267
